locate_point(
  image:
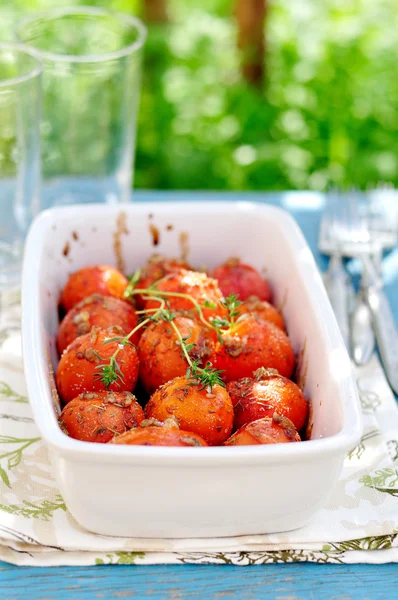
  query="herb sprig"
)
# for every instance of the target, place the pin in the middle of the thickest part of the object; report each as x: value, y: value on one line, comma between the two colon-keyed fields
x: 206, y: 376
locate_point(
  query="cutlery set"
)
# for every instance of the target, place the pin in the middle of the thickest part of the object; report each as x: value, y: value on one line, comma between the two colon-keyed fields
x: 350, y: 229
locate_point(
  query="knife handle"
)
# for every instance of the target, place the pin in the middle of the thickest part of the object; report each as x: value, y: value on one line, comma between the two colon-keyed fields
x: 386, y: 333
x: 338, y: 288
x: 362, y: 334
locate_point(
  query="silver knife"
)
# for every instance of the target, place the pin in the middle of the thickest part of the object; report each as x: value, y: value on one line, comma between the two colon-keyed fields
x: 383, y: 322
x: 340, y: 292
x: 362, y: 334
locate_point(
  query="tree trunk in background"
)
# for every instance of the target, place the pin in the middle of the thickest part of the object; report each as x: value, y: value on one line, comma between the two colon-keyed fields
x: 155, y: 11
x: 250, y: 16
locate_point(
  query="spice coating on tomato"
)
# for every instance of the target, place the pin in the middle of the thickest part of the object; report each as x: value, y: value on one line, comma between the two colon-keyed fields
x: 159, y: 436
x: 97, y: 279
x: 79, y: 369
x: 206, y: 412
x: 262, y: 310
x: 160, y: 353
x: 99, y: 311
x: 198, y: 286
x: 265, y: 393
x: 235, y: 277
x: 250, y: 344
x: 155, y: 269
x: 100, y: 416
x: 269, y: 430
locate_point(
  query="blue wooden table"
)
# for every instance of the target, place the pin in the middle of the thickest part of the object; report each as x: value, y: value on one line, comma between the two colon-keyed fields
x: 282, y: 582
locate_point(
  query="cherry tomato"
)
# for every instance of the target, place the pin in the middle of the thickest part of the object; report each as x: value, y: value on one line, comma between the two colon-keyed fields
x: 208, y: 413
x: 202, y: 289
x: 159, y: 436
x: 80, y: 367
x: 253, y: 343
x: 263, y: 310
x: 156, y: 268
x: 99, y: 416
x: 235, y: 277
x: 269, y: 430
x: 100, y: 311
x: 160, y: 353
x: 265, y: 393
x: 98, y: 279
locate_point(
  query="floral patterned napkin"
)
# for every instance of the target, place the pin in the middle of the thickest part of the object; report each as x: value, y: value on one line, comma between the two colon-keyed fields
x: 359, y: 523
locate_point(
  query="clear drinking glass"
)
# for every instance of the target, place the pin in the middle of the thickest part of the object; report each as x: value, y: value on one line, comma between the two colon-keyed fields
x: 20, y: 75
x: 91, y: 82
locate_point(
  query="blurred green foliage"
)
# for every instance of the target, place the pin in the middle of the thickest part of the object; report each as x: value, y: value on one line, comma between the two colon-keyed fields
x: 328, y: 112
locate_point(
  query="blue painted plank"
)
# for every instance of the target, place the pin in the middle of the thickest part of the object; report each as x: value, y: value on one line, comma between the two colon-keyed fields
x: 281, y: 582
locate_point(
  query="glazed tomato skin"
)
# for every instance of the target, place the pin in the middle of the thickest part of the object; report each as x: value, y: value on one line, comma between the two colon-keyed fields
x: 262, y: 310
x: 99, y: 311
x: 208, y: 414
x: 156, y: 268
x: 269, y: 430
x: 265, y: 393
x: 97, y: 279
x: 252, y: 344
x: 160, y: 353
x: 77, y: 370
x: 159, y: 436
x: 202, y: 288
x: 235, y: 277
x: 99, y: 416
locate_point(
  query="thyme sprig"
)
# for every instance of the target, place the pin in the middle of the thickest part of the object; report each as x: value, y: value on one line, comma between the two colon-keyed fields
x: 111, y: 372
x: 206, y: 376
x: 232, y: 304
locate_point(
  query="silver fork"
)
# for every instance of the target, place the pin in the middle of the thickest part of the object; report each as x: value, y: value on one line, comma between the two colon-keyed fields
x: 382, y: 317
x: 336, y: 224
x: 356, y: 238
x: 354, y: 234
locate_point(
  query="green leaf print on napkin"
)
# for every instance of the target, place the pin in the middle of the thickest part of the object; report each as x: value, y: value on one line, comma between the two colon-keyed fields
x: 260, y: 557
x: 13, y: 456
x: 370, y: 401
x: 43, y: 510
x: 392, y: 446
x: 381, y: 542
x: 120, y: 558
x: 6, y: 393
x: 360, y: 449
x: 385, y: 480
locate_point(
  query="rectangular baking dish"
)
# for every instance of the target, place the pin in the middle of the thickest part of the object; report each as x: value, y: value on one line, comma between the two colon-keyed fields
x: 190, y: 492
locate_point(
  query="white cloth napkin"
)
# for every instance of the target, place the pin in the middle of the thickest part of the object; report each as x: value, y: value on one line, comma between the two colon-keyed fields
x: 359, y: 524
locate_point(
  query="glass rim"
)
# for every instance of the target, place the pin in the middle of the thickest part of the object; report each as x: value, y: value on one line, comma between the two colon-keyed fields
x: 83, y: 10
x: 36, y: 70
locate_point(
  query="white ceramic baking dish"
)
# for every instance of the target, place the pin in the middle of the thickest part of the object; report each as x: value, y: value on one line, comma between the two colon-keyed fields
x: 191, y: 492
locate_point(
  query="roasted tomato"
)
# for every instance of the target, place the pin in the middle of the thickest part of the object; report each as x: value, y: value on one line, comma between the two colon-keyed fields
x: 99, y: 416
x: 235, y: 277
x: 250, y: 344
x: 98, y: 279
x: 263, y: 310
x: 80, y: 366
x: 160, y: 353
x: 265, y: 393
x: 208, y: 413
x: 100, y: 311
x: 156, y: 268
x: 270, y: 430
x: 159, y: 436
x: 202, y: 289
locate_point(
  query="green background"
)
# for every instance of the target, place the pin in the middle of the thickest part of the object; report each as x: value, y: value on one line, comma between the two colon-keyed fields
x: 327, y: 113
